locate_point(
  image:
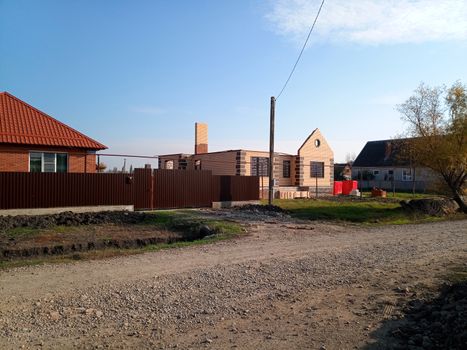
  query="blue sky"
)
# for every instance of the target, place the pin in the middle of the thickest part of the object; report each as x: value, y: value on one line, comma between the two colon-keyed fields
x: 137, y: 75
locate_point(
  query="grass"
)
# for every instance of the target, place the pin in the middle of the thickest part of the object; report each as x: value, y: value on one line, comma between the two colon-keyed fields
x: 112, y: 252
x: 29, y: 232
x: 404, y: 195
x: 363, y: 212
x: 176, y: 220
x: 182, y: 220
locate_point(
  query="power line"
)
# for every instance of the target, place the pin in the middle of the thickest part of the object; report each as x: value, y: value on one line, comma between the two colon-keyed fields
x: 301, y: 52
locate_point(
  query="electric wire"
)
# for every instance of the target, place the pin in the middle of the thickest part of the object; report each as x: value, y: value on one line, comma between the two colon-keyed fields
x: 301, y: 52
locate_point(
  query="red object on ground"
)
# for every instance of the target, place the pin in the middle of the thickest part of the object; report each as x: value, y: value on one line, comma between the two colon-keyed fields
x: 337, y: 188
x: 348, y: 186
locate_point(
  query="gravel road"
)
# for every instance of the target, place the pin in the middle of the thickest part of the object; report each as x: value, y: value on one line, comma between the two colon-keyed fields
x: 285, y: 285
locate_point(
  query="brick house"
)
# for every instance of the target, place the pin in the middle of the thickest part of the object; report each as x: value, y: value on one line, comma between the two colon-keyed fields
x: 310, y: 168
x: 32, y: 141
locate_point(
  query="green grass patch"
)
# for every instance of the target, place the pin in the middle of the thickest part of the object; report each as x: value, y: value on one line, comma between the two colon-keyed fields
x: 404, y: 195
x: 114, y: 252
x: 185, y: 221
x: 18, y: 232
x: 363, y: 212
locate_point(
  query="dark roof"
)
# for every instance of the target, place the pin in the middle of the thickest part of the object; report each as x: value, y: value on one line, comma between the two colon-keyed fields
x: 21, y: 123
x: 382, y: 153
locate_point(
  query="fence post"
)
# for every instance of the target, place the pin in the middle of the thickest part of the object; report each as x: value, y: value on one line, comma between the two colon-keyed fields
x: 151, y: 188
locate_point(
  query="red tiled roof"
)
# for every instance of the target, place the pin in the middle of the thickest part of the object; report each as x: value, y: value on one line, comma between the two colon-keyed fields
x: 23, y: 124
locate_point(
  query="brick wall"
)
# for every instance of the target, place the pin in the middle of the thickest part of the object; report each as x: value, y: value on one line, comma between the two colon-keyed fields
x: 16, y: 159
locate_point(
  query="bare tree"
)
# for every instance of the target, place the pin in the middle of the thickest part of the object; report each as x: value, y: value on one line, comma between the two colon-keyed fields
x: 438, y: 124
x: 350, y: 158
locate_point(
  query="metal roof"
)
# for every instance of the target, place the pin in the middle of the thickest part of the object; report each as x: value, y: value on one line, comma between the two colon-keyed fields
x: 22, y: 124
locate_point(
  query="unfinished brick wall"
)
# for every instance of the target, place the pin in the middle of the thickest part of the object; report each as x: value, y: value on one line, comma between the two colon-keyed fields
x: 201, y: 138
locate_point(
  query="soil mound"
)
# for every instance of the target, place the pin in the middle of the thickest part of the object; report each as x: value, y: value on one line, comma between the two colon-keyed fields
x: 71, y: 219
x: 269, y: 210
x: 431, y: 206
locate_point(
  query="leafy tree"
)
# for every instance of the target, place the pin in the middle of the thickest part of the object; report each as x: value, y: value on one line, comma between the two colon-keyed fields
x: 437, y: 120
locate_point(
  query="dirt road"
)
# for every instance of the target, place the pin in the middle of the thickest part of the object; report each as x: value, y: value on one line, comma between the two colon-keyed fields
x: 286, y: 285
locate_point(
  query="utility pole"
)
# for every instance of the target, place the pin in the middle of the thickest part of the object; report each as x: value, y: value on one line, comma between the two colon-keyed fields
x: 271, y: 150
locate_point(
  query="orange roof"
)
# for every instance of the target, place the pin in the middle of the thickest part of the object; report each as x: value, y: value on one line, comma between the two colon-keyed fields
x: 23, y: 124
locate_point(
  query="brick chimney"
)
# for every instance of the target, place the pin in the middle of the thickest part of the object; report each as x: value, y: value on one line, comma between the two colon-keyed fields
x: 201, y: 138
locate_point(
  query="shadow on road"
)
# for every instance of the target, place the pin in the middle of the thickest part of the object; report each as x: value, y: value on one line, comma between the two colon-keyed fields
x: 439, y: 323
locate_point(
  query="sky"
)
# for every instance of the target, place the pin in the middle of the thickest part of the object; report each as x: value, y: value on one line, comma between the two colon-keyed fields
x: 136, y: 75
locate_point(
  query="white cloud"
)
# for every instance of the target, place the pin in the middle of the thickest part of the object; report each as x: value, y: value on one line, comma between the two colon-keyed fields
x: 149, y: 110
x: 372, y: 21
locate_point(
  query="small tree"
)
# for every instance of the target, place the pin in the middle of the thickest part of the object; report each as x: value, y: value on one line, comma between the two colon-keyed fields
x: 101, y: 167
x: 439, y: 129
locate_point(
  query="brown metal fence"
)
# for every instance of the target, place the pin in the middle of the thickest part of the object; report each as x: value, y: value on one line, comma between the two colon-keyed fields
x: 145, y: 189
x: 182, y: 188
x: 47, y: 190
x: 235, y: 188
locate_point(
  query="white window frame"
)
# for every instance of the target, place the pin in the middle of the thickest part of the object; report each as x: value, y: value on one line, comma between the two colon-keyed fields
x: 167, y: 163
x: 405, y: 176
x: 55, y: 160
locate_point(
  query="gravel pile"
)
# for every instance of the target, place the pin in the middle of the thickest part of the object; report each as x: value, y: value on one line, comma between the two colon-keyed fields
x: 71, y: 219
x: 437, y: 324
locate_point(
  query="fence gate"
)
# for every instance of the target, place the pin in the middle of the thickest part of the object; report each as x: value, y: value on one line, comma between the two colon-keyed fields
x: 143, y: 187
x: 182, y: 188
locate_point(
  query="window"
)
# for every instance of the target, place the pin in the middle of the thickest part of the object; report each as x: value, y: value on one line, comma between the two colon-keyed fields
x: 375, y: 172
x: 35, y: 162
x: 259, y: 166
x: 62, y: 162
x: 317, y: 143
x: 406, y: 174
x: 44, y: 162
x: 198, y: 164
x: 169, y: 164
x: 182, y: 164
x: 286, y: 169
x: 316, y: 169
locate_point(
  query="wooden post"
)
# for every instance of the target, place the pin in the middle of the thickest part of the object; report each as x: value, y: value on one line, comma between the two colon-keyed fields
x: 271, y: 150
x: 316, y: 189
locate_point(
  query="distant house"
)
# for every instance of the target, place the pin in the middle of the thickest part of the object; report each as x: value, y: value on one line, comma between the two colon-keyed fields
x: 32, y: 141
x: 311, y: 167
x: 342, y: 171
x: 382, y: 164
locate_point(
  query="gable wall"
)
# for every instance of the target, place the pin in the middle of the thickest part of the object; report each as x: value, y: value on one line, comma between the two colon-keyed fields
x: 308, y: 153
